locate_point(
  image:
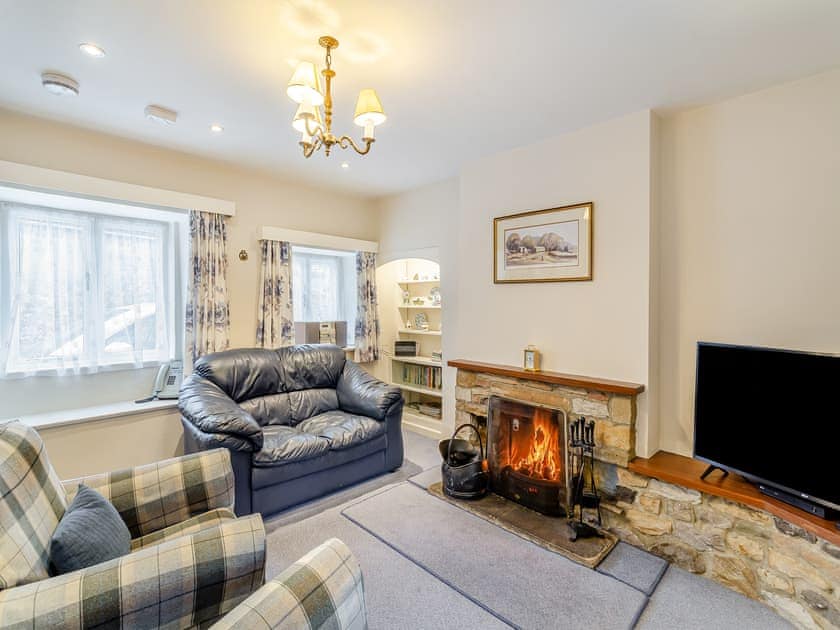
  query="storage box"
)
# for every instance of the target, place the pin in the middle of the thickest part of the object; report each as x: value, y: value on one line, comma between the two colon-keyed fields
x: 321, y: 332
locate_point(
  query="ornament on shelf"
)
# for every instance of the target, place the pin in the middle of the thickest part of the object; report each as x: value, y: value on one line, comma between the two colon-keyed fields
x: 531, y: 360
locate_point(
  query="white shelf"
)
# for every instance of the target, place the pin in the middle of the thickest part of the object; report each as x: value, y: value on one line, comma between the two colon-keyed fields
x: 421, y: 423
x: 419, y: 389
x: 417, y: 331
x: 418, y: 306
x: 418, y: 361
x: 418, y: 281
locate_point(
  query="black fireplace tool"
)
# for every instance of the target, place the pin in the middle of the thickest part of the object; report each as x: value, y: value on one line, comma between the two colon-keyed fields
x: 584, y: 495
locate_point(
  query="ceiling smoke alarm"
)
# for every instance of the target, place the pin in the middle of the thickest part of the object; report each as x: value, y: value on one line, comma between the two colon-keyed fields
x: 60, y: 84
x: 161, y: 114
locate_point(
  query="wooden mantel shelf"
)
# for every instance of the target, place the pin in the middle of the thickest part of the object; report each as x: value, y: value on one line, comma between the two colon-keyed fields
x: 556, y: 378
x: 685, y: 472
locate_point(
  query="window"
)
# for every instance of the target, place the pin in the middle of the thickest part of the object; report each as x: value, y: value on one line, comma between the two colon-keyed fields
x: 324, y: 287
x: 86, y: 290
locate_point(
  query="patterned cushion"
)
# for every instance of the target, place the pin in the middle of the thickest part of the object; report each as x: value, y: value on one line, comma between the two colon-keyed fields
x: 190, y: 526
x: 343, y: 429
x: 32, y: 503
x: 324, y: 589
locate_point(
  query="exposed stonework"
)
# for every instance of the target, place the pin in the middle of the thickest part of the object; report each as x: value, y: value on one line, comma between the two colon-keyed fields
x: 615, y: 415
x: 764, y: 557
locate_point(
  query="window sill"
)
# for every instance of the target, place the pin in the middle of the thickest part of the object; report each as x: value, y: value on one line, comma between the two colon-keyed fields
x: 67, y: 417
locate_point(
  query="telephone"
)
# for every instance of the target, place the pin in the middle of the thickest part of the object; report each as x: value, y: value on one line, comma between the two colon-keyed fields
x: 167, y: 382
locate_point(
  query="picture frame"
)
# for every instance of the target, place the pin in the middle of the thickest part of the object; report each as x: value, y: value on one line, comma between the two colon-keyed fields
x: 550, y: 245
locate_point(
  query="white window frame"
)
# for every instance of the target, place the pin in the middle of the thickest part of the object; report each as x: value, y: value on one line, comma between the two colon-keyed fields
x: 174, y: 227
x: 346, y: 286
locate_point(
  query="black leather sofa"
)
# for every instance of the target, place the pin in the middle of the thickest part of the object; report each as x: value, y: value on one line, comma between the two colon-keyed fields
x: 300, y: 421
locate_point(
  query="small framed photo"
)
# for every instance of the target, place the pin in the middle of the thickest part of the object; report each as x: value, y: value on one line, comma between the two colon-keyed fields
x: 552, y: 245
x: 531, y: 359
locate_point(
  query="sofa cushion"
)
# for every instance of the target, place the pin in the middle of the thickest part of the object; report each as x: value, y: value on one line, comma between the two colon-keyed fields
x: 91, y: 531
x: 342, y: 429
x: 283, y: 445
x: 290, y: 408
x: 248, y: 373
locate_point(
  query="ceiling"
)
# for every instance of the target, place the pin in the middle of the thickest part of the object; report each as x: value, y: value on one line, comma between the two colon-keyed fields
x: 458, y: 78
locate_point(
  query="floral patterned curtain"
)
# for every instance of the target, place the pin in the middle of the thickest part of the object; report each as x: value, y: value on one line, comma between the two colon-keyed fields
x: 367, y: 316
x: 208, y: 309
x: 275, y: 318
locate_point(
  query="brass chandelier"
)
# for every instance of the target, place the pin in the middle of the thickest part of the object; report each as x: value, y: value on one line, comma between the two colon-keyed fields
x: 304, y: 88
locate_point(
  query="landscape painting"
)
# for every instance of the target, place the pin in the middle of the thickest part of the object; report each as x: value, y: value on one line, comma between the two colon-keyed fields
x: 551, y: 245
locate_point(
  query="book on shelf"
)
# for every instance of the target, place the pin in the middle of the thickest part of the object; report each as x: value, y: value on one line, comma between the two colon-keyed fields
x: 422, y: 376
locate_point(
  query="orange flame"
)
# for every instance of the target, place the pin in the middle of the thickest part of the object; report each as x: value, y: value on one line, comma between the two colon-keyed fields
x: 541, y: 458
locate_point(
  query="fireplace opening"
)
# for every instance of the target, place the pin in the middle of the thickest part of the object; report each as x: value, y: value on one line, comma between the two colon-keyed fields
x: 527, y: 455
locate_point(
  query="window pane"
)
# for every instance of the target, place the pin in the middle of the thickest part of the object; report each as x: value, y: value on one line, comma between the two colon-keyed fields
x: 49, y: 301
x: 132, y: 291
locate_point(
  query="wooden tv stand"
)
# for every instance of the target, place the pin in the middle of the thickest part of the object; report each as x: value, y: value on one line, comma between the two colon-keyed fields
x: 686, y: 472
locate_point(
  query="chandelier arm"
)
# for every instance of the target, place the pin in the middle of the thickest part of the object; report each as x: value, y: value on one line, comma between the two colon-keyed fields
x: 309, y: 149
x: 316, y: 132
x: 345, y: 141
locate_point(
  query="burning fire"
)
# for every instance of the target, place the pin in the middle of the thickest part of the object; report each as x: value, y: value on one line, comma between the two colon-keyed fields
x: 538, y: 456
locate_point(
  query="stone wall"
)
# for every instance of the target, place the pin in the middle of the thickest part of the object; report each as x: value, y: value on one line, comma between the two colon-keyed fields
x: 615, y: 429
x: 747, y: 550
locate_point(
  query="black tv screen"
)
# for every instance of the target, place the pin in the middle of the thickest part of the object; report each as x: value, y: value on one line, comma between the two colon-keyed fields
x: 771, y: 416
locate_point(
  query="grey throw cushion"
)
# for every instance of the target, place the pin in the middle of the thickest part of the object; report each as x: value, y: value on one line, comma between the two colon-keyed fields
x: 91, y: 531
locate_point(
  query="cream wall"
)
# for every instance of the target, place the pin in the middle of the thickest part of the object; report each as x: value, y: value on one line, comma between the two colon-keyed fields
x: 750, y: 225
x: 261, y: 199
x: 422, y: 223
x: 598, y: 328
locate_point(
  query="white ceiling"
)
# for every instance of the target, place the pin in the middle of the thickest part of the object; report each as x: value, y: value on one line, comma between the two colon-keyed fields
x: 459, y: 79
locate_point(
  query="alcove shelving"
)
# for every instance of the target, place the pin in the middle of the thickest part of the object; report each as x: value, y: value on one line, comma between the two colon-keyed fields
x: 419, y: 312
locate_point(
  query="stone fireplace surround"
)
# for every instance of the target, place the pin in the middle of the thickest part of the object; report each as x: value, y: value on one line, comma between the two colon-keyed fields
x: 788, y: 567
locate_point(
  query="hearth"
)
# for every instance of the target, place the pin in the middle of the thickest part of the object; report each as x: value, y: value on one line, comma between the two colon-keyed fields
x: 527, y: 454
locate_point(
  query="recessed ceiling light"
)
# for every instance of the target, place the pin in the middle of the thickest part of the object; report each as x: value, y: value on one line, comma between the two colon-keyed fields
x: 161, y: 114
x: 345, y: 165
x: 59, y: 84
x: 216, y: 128
x: 92, y: 49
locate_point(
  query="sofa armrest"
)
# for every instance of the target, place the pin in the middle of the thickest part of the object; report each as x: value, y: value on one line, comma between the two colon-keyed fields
x: 324, y: 589
x: 165, y: 493
x: 210, y: 409
x: 360, y: 393
x: 185, y: 582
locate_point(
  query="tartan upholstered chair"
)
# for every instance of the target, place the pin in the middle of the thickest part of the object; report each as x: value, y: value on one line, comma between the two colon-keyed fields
x: 324, y: 589
x: 191, y: 562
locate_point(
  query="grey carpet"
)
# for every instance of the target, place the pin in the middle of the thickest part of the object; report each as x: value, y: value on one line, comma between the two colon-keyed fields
x: 520, y: 582
x: 633, y: 566
x: 316, y: 506
x: 426, y: 478
x: 399, y: 594
x: 421, y: 450
x: 690, y: 602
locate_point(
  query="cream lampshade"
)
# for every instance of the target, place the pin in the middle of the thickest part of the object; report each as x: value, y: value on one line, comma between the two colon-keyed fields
x: 369, y: 112
x: 304, y: 85
x: 307, y: 111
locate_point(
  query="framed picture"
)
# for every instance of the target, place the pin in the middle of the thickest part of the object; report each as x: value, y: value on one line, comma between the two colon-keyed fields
x: 552, y: 245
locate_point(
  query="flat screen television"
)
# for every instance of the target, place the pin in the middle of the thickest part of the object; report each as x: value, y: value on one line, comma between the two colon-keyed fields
x: 771, y: 416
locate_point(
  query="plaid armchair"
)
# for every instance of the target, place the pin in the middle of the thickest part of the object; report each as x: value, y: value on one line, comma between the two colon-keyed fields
x: 324, y: 589
x: 191, y: 562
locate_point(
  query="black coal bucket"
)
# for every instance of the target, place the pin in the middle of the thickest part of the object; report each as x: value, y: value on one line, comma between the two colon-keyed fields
x: 464, y: 468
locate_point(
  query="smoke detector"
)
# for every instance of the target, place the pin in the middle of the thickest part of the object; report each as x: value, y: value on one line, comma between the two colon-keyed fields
x: 161, y: 114
x: 59, y: 84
